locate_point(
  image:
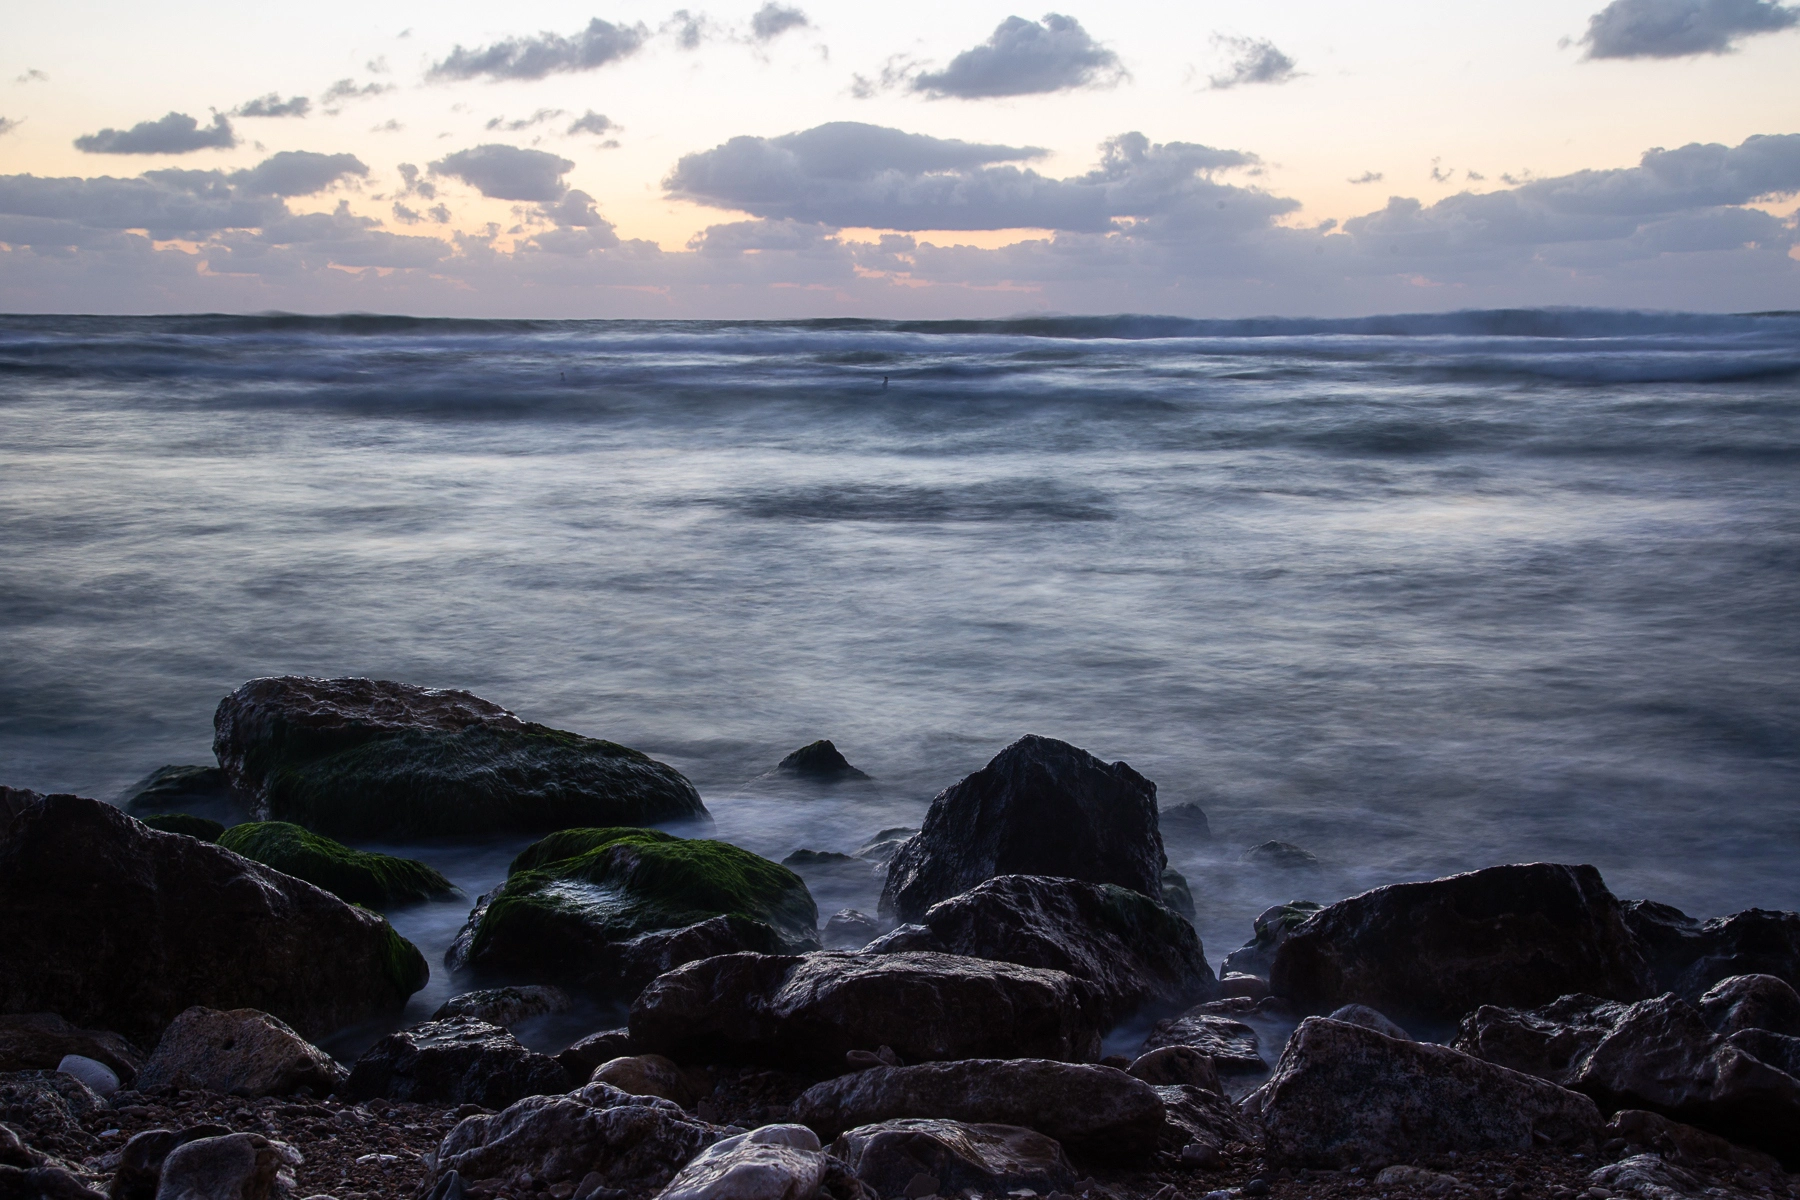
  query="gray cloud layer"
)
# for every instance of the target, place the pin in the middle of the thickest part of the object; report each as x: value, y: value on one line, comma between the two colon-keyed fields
x: 592, y: 122
x: 600, y: 43
x: 507, y: 172
x: 272, y: 105
x: 176, y: 133
x: 297, y: 173
x: 772, y: 20
x: 1677, y: 28
x: 1023, y: 58
x: 1253, y: 60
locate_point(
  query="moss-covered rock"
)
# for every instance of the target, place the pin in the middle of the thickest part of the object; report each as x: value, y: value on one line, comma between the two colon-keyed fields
x: 591, y: 907
x: 372, y: 880
x: 204, y: 828
x: 201, y: 791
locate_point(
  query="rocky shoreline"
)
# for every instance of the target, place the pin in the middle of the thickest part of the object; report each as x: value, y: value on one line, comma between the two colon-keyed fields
x: 1512, y: 1032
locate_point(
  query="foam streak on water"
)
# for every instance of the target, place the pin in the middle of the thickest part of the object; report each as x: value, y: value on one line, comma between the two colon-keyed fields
x: 1417, y: 594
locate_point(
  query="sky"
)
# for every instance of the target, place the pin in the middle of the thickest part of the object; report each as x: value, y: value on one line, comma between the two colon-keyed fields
x: 806, y: 158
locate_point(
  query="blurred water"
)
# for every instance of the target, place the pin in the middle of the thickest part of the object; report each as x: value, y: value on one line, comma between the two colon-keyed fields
x: 1417, y: 594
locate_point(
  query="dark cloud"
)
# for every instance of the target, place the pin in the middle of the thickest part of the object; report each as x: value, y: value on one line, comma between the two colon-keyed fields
x: 1253, y: 60
x: 594, y: 123
x: 176, y: 133
x: 600, y: 43
x: 297, y: 173
x: 579, y: 227
x: 272, y: 105
x: 508, y: 173
x: 414, y: 185
x: 335, y: 96
x: 1023, y: 58
x: 738, y: 237
x: 772, y: 20
x: 1676, y: 28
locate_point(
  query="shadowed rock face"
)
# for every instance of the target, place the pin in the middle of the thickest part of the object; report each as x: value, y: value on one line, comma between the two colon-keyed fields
x: 362, y: 758
x: 985, y: 1158
x: 1513, y: 935
x: 458, y: 1060
x: 116, y: 926
x: 241, y: 1053
x: 1689, y: 956
x: 1041, y: 807
x: 818, y: 761
x: 38, y: 1041
x: 202, y: 791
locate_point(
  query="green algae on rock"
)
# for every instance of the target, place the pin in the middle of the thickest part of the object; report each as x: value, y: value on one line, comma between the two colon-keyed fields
x: 186, y: 824
x: 371, y: 880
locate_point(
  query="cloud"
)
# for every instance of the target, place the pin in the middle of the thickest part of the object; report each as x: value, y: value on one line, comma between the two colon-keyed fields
x: 536, y: 118
x: 297, y: 173
x: 507, y: 172
x: 1368, y: 177
x: 7, y: 125
x: 1677, y: 28
x: 1024, y: 58
x: 344, y: 90
x: 176, y: 133
x: 594, y: 123
x: 600, y: 43
x: 413, y: 185
x: 688, y: 29
x: 1253, y: 60
x: 772, y: 20
x: 272, y: 105
x: 32, y: 76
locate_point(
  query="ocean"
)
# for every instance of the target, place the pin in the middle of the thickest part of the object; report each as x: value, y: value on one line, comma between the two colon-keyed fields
x: 1417, y: 594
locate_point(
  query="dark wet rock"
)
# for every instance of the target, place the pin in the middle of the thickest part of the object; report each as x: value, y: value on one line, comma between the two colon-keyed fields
x: 38, y: 1041
x: 1689, y: 956
x: 1176, y: 894
x: 1236, y: 985
x: 819, y: 762
x: 455, y: 1061
x: 240, y: 1053
x: 1681, y: 1143
x: 646, y: 1075
x: 187, y: 824
x: 371, y: 880
x: 1232, y: 1045
x: 1344, y: 1096
x: 595, y: 1137
x: 1279, y: 854
x: 13, y: 1152
x: 141, y: 1161
x: 984, y: 1158
x: 1041, y: 807
x: 1198, y: 1116
x: 1271, y: 928
x: 362, y: 758
x: 1514, y: 935
x: 580, y: 1059
x: 1368, y: 1018
x: 1185, y: 821
x: 849, y: 929
x: 773, y: 1162
x: 1752, y: 1002
x: 115, y: 926
x: 42, y: 1183
x: 811, y: 1010
x: 1653, y: 1177
x: 1778, y: 1050
x: 234, y: 1166
x: 1138, y: 954
x: 1173, y: 1065
x: 50, y: 1109
x: 201, y: 791
x: 819, y: 858
x: 884, y: 845
x: 506, y: 1006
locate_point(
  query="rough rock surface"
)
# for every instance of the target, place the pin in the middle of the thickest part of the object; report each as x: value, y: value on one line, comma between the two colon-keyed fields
x: 774, y: 1162
x: 1342, y: 1096
x: 646, y: 1075
x: 38, y: 1041
x: 1681, y: 1143
x: 1368, y: 1018
x: 1177, y: 896
x: 1186, y: 821
x: 1279, y: 854
x: 849, y: 929
x: 1041, y: 807
x: 187, y: 824
x: 54, y: 1107
x: 1752, y: 1002
x: 812, y: 1010
x: 1514, y: 935
x: 235, y: 1166
x: 455, y: 1061
x: 580, y: 1059
x: 141, y: 1162
x: 115, y: 926
x: 506, y: 1006
x: 1199, y: 1116
x: 1689, y: 956
x: 242, y: 1052
x: 984, y: 1158
x: 362, y: 758
x: 1138, y: 954
x: 1232, y: 1045
x: 361, y: 877
x: 1177, y: 1065
x: 201, y: 791
x: 818, y: 761
x: 1271, y: 928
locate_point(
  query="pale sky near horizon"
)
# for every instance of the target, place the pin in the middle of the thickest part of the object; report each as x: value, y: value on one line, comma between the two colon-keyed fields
x: 1441, y: 103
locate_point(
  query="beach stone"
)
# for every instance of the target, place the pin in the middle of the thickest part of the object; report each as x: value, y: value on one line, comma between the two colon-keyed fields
x: 1343, y: 1096
x: 506, y: 1006
x: 629, y: 1144
x: 242, y: 1052
x: 1279, y: 854
x: 580, y: 1059
x: 1138, y: 955
x: 819, y: 762
x: 235, y: 1166
x: 646, y: 1075
x: 49, y: 1110
x: 1041, y: 807
x: 1689, y: 956
x: 1271, y: 928
x: 1232, y: 1045
x: 1185, y: 821
x: 1246, y: 987
x: 1651, y: 1177
x: 985, y: 1158
x: 97, y: 1075
x: 200, y: 791
x: 1368, y: 1018
x: 800, y: 1011
x: 141, y: 1161
x: 115, y: 926
x: 42, y: 1183
x: 1171, y: 1065
x: 456, y: 1061
x: 849, y: 929
x: 1513, y: 935
x: 186, y: 824
x: 361, y: 877
x: 38, y: 1042
x: 366, y: 759
x: 1752, y: 1002
x: 774, y: 1162
x: 1681, y: 1143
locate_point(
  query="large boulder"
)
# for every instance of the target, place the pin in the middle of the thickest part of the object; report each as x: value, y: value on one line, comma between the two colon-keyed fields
x: 116, y: 926
x: 1141, y: 956
x: 371, y: 880
x: 235, y: 1166
x: 1270, y: 928
x: 809, y: 1011
x: 607, y: 910
x: 142, y: 1158
x: 186, y: 824
x: 364, y: 758
x: 988, y: 1159
x: 1342, y: 1096
x: 1431, y: 952
x: 774, y: 1162
x: 1041, y: 807
x: 1688, y: 956
x: 38, y: 1041
x: 239, y: 1053
x: 459, y: 1060
x: 1752, y: 1002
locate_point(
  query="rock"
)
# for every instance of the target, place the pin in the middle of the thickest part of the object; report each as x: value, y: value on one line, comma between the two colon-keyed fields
x: 596, y: 1137
x: 1650, y: 1177
x: 1401, y: 1175
x: 811, y: 1010
x: 1690, y: 956
x: 506, y: 1006
x: 186, y: 824
x: 987, y: 1159
x: 1138, y: 954
x: 97, y: 1075
x: 580, y: 1059
x: 141, y: 1161
x: 1185, y: 821
x: 883, y: 846
x: 1197, y: 1116
x: 1682, y: 1143
x: 455, y: 1061
x: 1279, y: 854
x: 1268, y: 931
x: 1343, y: 1096
x: 819, y: 858
x: 42, y: 1183
x: 193, y: 790
x: 1368, y: 1018
x: 13, y: 1152
x: 1245, y: 987
x: 1232, y: 1045
x: 1752, y: 1002
x: 1778, y: 1050
x: 646, y: 1075
x: 38, y: 1041
x: 1041, y: 807
x: 1176, y: 895
x: 819, y: 762
x: 118, y: 927
x: 849, y: 929
x: 361, y: 758
x: 371, y: 880
x: 49, y: 1109
x: 775, y: 1162
x: 607, y: 910
x: 236, y: 1166
x: 1515, y: 935
x: 1169, y: 1065
x: 239, y: 1053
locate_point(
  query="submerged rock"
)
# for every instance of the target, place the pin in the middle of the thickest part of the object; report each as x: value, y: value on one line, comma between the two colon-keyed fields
x: 849, y: 929
x: 362, y: 758
x: 958, y: 1157
x: 39, y: 1041
x: 883, y: 846
x: 1271, y: 928
x: 1185, y: 821
x: 118, y: 927
x: 371, y: 880
x: 1041, y: 807
x: 1177, y: 896
x: 240, y: 1053
x: 456, y: 1061
x: 1280, y: 854
x: 506, y: 1006
x: 820, y: 762
x: 204, y: 829
x: 201, y: 791
x: 1689, y: 956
